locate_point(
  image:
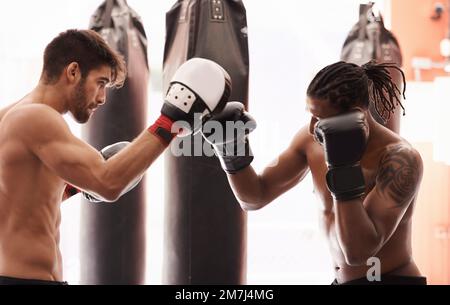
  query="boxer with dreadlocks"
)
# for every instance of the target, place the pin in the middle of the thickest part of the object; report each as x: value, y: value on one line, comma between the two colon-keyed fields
x: 366, y: 176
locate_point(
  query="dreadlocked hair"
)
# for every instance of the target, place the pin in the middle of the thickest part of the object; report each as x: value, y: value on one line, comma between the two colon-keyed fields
x: 382, y: 89
x: 346, y: 85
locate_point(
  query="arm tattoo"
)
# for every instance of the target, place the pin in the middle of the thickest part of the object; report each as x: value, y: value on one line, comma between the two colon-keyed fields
x: 399, y: 174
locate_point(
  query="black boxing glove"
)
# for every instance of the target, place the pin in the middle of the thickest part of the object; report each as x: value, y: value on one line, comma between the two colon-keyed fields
x: 230, y: 137
x: 344, y: 138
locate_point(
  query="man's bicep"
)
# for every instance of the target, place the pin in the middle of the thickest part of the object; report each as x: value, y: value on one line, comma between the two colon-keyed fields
x: 71, y: 159
x: 397, y: 183
x: 67, y: 156
x: 399, y: 175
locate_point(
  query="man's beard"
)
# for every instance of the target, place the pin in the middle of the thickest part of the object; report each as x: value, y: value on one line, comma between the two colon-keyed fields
x: 80, y: 110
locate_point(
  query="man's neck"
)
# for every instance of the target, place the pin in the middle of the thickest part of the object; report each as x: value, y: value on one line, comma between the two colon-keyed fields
x: 51, y: 95
x: 375, y: 134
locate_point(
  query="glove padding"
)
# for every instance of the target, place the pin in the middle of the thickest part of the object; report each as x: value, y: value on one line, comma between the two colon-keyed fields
x: 107, y: 153
x: 199, y: 87
x: 230, y: 140
x: 344, y: 138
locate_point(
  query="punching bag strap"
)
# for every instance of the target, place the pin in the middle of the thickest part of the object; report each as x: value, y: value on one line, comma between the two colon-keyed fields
x: 363, y: 20
x: 184, y: 9
x: 107, y: 18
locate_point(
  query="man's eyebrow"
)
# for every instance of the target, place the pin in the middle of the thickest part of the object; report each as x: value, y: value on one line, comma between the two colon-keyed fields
x: 105, y: 79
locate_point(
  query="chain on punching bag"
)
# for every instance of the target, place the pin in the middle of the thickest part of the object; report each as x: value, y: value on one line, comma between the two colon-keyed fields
x: 205, y: 228
x: 113, y: 234
x: 370, y: 40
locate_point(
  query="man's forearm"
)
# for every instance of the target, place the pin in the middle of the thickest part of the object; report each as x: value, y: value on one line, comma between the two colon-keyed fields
x: 131, y: 162
x: 248, y: 188
x: 357, y: 234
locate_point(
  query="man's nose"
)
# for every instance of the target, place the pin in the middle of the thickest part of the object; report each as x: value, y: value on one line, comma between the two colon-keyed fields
x: 101, y: 101
x: 101, y: 98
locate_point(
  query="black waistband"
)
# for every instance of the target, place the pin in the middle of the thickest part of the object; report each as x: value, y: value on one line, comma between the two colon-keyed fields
x: 5, y: 280
x: 388, y: 279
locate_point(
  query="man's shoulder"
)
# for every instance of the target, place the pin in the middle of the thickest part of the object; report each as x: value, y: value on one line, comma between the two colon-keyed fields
x: 33, y: 114
x: 34, y: 108
x: 31, y: 119
x: 302, y: 140
x: 392, y: 144
x: 6, y: 109
x: 399, y: 148
x: 401, y: 163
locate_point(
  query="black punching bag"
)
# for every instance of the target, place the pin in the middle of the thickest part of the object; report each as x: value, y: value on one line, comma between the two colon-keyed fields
x: 370, y: 40
x: 205, y: 228
x: 113, y: 234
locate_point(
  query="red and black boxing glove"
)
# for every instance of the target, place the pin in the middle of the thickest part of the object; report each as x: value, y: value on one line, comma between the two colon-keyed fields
x: 198, y: 89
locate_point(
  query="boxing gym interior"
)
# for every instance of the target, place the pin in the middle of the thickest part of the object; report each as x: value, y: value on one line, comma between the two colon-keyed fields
x: 182, y: 224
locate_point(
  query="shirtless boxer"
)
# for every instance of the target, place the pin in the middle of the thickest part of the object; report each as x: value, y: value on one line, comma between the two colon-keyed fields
x: 39, y: 155
x: 366, y: 176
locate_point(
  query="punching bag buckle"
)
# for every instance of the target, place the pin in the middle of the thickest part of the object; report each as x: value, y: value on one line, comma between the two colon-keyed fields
x: 217, y: 10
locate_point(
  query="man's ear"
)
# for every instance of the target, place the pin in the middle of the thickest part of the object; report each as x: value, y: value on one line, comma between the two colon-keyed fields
x: 73, y: 73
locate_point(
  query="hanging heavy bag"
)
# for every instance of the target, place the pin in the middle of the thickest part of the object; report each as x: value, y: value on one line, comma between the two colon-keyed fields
x: 113, y: 234
x: 370, y: 40
x: 205, y: 228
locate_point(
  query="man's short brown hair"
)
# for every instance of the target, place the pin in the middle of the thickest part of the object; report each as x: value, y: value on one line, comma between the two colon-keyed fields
x: 88, y: 49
